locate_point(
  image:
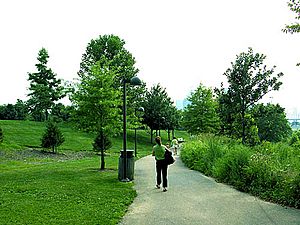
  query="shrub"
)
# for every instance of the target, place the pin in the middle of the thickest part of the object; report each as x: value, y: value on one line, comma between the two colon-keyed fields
x: 295, y: 139
x: 202, y: 153
x: 232, y: 167
x: 269, y: 170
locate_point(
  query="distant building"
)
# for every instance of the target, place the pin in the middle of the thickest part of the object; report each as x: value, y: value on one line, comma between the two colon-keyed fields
x: 181, y: 104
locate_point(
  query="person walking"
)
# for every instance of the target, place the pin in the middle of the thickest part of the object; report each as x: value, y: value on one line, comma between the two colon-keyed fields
x: 174, y: 145
x: 161, y: 166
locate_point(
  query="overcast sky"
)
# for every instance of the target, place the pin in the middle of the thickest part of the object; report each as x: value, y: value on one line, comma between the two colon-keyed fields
x: 175, y: 43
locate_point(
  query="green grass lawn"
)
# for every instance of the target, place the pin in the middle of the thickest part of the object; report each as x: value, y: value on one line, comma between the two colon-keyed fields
x: 64, y: 188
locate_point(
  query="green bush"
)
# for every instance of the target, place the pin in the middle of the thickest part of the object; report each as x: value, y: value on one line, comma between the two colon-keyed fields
x: 202, y: 153
x: 295, y: 139
x: 270, y: 170
x: 232, y: 167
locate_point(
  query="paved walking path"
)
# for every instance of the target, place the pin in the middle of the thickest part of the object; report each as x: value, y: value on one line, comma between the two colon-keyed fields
x: 193, y: 198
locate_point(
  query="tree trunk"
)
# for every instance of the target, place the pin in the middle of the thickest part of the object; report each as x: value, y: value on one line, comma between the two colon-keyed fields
x: 151, y: 136
x: 169, y: 135
x: 102, y: 164
x: 243, y: 127
x: 46, y: 115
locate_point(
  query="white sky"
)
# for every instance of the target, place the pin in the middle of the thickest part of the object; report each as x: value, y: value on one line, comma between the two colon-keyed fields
x: 175, y: 43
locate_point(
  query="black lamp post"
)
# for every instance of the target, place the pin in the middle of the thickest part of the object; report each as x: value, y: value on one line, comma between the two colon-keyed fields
x: 133, y: 81
x: 140, y: 109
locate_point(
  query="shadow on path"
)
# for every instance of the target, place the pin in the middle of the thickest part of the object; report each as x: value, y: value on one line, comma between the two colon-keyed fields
x: 193, y: 198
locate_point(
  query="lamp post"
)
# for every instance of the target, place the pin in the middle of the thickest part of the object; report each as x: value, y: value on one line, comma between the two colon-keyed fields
x: 140, y: 109
x: 133, y: 81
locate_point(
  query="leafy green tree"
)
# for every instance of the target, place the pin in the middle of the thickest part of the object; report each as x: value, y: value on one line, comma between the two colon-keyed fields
x: 112, y: 48
x: 200, y: 116
x: 158, y: 109
x: 97, y: 102
x: 272, y: 123
x: 121, y: 62
x: 249, y: 80
x: 21, y: 109
x: 52, y: 137
x: 45, y: 88
x: 294, y: 6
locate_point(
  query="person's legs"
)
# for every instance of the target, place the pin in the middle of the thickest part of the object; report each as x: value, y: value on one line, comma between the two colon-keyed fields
x: 158, y: 173
x: 165, y: 174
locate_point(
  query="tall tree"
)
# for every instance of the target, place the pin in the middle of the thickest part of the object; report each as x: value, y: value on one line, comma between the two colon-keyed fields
x: 45, y: 88
x: 97, y: 103
x: 121, y: 62
x: 294, y: 6
x: 157, y: 104
x: 249, y: 80
x: 200, y: 116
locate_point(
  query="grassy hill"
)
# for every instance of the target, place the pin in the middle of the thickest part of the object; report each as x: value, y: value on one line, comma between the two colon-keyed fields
x: 64, y: 188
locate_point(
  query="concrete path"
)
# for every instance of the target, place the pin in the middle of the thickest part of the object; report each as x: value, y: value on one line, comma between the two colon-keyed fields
x: 193, y: 198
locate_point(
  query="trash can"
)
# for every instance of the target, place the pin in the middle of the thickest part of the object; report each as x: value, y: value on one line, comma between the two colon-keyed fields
x: 129, y: 165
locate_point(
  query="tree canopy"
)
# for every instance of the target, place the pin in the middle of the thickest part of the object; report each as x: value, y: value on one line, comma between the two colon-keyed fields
x: 160, y: 113
x: 112, y: 48
x: 271, y: 122
x: 294, y: 6
x: 200, y: 116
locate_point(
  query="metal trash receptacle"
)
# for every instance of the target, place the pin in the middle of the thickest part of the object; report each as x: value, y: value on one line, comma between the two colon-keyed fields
x: 129, y: 165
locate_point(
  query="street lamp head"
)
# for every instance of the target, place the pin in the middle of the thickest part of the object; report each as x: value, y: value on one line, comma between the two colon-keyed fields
x: 135, y: 81
x: 141, y: 109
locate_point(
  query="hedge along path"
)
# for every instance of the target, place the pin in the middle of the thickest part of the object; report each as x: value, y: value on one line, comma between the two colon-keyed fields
x: 193, y: 198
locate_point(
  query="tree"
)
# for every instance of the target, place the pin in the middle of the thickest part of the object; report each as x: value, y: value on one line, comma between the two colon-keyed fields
x: 21, y: 110
x: 45, y: 88
x: 158, y: 109
x: 121, y: 62
x: 97, y: 102
x: 272, y: 123
x: 52, y: 137
x: 294, y: 7
x: 249, y: 80
x: 200, y: 116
